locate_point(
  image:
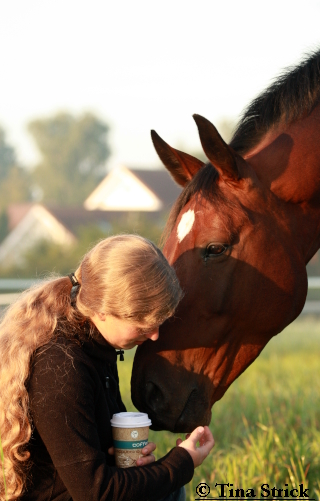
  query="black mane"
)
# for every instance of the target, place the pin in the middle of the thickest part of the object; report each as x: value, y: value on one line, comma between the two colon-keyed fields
x: 292, y: 95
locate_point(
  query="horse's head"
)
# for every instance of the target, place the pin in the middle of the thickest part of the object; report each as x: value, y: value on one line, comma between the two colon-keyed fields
x: 243, y: 278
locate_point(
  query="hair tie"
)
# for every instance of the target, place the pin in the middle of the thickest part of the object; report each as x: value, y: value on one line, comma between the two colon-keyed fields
x: 75, y: 288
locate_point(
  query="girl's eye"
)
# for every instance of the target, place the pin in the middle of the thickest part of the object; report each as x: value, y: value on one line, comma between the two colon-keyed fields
x: 149, y: 330
x: 214, y: 250
x: 143, y: 332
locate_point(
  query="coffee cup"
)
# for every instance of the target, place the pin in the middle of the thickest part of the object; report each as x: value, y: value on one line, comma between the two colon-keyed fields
x: 130, y: 432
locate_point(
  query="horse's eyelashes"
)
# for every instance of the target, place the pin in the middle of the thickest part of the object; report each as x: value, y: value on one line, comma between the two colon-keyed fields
x: 215, y: 249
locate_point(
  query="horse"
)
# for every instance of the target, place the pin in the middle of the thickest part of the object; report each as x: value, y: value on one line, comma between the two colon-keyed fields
x: 239, y: 237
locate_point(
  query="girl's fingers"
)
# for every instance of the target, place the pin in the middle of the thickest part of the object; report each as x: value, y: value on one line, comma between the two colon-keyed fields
x: 150, y: 447
x: 196, y: 435
x: 146, y: 451
x: 145, y: 460
x: 207, y: 440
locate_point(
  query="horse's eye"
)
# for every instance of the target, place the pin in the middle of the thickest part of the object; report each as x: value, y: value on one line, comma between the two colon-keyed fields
x: 215, y: 249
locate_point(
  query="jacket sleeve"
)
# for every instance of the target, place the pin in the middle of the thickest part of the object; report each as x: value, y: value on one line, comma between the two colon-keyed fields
x: 62, y: 396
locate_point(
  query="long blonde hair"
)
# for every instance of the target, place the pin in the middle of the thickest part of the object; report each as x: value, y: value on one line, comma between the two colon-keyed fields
x: 125, y: 276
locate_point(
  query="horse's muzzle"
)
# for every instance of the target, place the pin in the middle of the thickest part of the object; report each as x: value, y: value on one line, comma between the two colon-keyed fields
x: 174, y: 398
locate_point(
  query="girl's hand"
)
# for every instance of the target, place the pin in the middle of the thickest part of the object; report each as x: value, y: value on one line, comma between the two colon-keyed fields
x: 147, y: 458
x: 203, y: 435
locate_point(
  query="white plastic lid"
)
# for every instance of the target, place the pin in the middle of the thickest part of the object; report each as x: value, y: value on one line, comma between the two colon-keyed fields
x: 130, y: 420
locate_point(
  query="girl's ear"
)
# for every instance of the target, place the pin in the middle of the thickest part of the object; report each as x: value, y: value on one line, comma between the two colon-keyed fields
x: 101, y: 316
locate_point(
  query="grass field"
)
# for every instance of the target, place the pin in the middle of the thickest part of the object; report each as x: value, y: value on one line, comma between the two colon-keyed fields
x: 267, y: 426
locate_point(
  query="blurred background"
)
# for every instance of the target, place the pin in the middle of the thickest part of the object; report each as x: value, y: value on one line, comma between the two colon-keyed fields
x: 81, y: 85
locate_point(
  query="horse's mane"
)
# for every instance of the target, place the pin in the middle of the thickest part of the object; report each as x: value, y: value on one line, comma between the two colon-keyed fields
x: 291, y: 96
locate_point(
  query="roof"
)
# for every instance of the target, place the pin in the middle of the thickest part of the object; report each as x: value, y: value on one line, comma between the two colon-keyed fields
x: 73, y: 217
x: 161, y: 183
x: 70, y: 217
x: 16, y: 213
x: 37, y: 223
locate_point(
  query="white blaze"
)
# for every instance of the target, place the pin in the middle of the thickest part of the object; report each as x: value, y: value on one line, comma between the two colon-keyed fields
x: 185, y: 225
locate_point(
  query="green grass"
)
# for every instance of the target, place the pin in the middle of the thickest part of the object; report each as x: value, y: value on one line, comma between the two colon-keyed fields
x: 267, y: 426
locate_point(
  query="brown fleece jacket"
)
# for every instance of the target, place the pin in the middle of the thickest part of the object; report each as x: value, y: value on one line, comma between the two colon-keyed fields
x: 71, y: 408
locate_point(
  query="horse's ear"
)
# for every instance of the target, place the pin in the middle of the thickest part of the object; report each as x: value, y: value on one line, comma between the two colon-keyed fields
x: 217, y: 151
x: 181, y: 166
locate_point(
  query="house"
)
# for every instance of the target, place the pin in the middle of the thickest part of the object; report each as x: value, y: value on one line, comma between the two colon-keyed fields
x: 31, y: 223
x: 123, y: 195
x: 140, y: 190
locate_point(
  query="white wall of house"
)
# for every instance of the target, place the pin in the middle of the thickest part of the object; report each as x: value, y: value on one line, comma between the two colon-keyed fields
x: 121, y: 190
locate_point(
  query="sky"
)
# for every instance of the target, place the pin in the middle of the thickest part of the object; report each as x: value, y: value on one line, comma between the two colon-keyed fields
x: 142, y: 65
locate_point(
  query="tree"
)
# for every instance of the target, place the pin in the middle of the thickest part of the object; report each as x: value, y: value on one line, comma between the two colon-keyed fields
x: 4, y: 226
x: 7, y: 156
x: 74, y: 151
x: 16, y: 187
x: 15, y: 181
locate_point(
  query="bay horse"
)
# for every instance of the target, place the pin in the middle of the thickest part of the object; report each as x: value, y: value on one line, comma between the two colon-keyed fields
x: 239, y: 237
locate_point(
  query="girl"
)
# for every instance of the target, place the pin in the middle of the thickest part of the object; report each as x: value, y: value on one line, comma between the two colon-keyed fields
x: 59, y: 380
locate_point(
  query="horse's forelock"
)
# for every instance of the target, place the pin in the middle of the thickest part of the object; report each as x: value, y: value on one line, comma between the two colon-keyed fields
x: 203, y: 186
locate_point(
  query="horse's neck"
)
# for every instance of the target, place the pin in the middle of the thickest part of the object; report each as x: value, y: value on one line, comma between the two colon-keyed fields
x: 288, y: 162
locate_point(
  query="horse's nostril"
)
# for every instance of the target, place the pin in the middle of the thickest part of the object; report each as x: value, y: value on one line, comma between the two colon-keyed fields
x: 154, y: 396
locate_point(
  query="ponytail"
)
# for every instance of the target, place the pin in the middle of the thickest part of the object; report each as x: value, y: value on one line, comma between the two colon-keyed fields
x: 28, y: 324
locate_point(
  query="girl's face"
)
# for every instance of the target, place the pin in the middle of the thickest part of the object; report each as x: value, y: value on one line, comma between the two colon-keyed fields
x: 121, y: 333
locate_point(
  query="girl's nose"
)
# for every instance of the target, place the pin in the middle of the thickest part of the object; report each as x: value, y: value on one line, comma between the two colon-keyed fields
x: 154, y: 334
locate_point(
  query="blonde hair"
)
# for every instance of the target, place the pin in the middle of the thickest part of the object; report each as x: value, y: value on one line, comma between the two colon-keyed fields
x: 125, y: 276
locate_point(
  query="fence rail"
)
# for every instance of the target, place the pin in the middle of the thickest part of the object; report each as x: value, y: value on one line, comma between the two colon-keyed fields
x: 13, y: 284
x: 313, y: 282
x: 17, y: 284
x: 8, y: 285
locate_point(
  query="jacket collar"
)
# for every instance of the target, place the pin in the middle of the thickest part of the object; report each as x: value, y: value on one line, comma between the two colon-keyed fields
x: 98, y: 347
